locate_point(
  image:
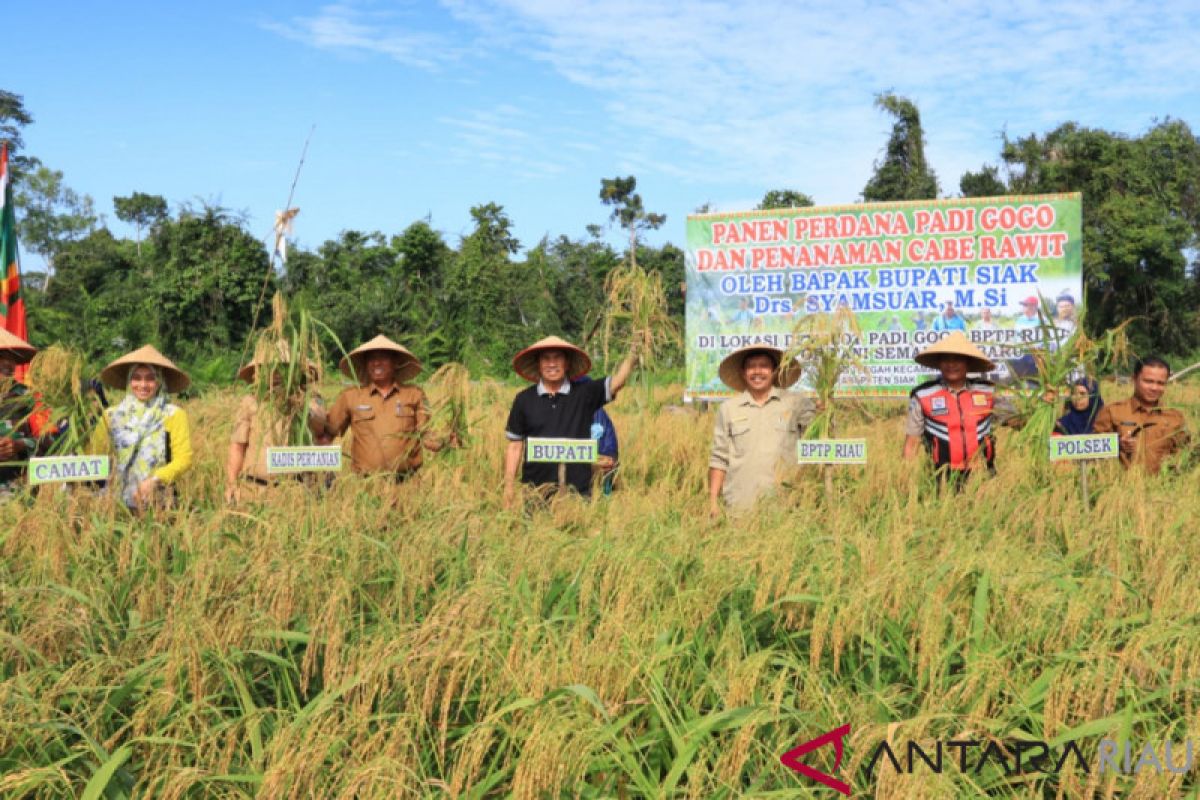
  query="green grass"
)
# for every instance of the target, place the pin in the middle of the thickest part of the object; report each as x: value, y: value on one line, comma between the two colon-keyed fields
x: 419, y: 641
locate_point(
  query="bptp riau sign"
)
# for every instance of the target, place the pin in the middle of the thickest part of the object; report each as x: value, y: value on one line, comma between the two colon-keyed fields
x: 831, y: 451
x: 1083, y: 447
x: 69, y: 469
x: 560, y: 451
x: 292, y: 460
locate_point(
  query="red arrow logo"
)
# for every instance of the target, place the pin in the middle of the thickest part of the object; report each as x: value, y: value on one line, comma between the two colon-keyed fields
x: 791, y: 759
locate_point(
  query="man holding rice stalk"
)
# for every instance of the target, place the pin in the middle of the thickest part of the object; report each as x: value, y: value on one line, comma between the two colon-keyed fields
x: 954, y: 414
x: 388, y: 416
x: 756, y: 432
x: 554, y: 407
x: 266, y: 418
x: 1147, y: 431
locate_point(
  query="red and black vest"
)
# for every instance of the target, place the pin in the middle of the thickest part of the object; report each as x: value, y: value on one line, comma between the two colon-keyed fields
x: 957, y: 425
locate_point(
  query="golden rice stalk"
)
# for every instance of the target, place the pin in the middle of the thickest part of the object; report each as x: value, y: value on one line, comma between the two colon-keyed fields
x: 450, y: 395
x: 826, y: 345
x: 55, y: 378
x: 636, y: 316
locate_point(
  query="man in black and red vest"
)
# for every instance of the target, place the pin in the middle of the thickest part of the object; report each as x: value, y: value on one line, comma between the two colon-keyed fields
x: 954, y: 414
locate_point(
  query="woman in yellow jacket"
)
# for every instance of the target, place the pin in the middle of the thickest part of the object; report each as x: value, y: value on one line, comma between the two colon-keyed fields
x: 148, y: 437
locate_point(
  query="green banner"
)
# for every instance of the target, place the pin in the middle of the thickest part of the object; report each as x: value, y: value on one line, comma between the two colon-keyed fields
x: 831, y: 451
x: 1007, y: 271
x: 560, y: 451
x: 69, y: 469
x: 1083, y: 447
x: 290, y: 460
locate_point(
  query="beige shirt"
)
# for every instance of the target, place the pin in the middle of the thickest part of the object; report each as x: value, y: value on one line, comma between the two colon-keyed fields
x: 1157, y: 431
x: 752, y: 443
x: 388, y: 427
x: 252, y: 428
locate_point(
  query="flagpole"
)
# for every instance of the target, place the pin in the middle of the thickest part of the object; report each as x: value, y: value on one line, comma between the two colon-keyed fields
x: 271, y: 264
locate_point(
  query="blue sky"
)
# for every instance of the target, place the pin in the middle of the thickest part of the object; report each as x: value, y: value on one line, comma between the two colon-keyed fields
x: 425, y: 109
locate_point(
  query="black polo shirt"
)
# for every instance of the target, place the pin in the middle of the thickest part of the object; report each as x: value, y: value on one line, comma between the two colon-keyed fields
x: 566, y: 414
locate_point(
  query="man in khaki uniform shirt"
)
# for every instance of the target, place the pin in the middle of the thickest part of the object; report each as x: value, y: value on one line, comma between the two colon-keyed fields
x: 388, y: 417
x: 756, y: 432
x: 1147, y: 432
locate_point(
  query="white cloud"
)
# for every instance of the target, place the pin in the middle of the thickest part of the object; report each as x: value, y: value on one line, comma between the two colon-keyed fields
x: 781, y: 94
x: 349, y: 29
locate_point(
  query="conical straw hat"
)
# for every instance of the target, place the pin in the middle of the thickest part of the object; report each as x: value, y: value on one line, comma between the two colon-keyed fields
x: 116, y: 374
x: 955, y: 344
x: 16, y: 348
x: 407, y: 367
x: 526, y: 361
x: 283, y: 355
x: 731, y: 367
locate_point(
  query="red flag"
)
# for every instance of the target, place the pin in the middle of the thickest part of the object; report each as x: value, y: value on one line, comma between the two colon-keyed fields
x: 12, y: 307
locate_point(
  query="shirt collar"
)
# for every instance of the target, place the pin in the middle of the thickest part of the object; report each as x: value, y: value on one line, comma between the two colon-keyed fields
x: 1142, y: 408
x: 393, y: 388
x: 745, y: 399
x: 565, y: 388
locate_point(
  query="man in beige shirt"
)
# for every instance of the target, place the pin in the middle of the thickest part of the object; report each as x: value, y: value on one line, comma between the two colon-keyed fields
x: 756, y: 432
x: 258, y: 426
x: 388, y: 417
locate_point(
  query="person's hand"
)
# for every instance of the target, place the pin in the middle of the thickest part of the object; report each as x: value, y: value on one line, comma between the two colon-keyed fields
x: 145, y: 491
x: 1049, y: 396
x: 605, y: 463
x: 232, y: 495
x: 322, y: 439
x: 1128, y: 444
x: 8, y: 449
x: 453, y: 441
x: 509, y: 495
x: 714, y: 508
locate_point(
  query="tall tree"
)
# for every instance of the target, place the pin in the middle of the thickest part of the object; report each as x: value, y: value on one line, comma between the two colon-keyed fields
x: 984, y: 183
x: 207, y: 275
x: 1141, y: 219
x: 51, y: 213
x: 784, y: 198
x: 13, y: 118
x: 484, y: 301
x: 904, y: 173
x: 140, y: 210
x: 628, y: 211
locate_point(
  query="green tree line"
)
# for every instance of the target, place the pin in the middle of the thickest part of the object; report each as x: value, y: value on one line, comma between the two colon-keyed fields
x: 193, y: 280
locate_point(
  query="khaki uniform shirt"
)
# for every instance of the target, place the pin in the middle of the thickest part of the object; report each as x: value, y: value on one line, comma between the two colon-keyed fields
x: 388, y: 427
x: 253, y: 428
x: 752, y: 443
x: 1158, y: 431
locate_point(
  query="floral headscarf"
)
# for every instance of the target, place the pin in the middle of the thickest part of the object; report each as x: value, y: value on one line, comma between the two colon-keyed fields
x: 138, y: 435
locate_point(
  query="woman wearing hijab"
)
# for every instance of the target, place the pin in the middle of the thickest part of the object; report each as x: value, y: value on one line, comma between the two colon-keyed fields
x: 149, y: 438
x: 1082, y: 407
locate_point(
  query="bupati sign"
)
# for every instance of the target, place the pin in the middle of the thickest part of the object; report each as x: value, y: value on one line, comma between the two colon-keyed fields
x: 288, y: 460
x: 832, y: 451
x: 1086, y: 446
x: 909, y: 272
x: 69, y: 469
x: 560, y: 451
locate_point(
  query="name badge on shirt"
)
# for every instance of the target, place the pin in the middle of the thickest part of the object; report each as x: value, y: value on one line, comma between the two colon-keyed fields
x: 560, y: 451
x: 979, y: 399
x: 937, y: 405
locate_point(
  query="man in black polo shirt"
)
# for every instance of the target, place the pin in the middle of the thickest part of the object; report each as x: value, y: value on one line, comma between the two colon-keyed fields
x: 553, y: 407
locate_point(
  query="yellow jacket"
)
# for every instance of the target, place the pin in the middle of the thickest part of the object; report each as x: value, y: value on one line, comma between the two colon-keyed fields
x: 179, y: 435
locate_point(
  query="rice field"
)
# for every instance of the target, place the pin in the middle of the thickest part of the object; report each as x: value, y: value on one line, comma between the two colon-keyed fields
x: 378, y: 641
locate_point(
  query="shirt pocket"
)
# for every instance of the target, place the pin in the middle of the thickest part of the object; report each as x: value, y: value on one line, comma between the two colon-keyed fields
x: 739, y: 437
x: 406, y: 417
x: 362, y: 417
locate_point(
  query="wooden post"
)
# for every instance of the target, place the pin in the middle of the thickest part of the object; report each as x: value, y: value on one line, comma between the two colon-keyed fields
x: 1083, y: 484
x: 562, y: 477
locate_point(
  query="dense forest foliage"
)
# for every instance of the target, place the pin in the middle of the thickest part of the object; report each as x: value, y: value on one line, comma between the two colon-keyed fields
x: 193, y: 278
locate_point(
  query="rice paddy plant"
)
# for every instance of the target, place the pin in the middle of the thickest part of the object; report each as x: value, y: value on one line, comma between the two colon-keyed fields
x: 635, y: 319
x: 825, y: 345
x: 56, y: 379
x: 411, y: 640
